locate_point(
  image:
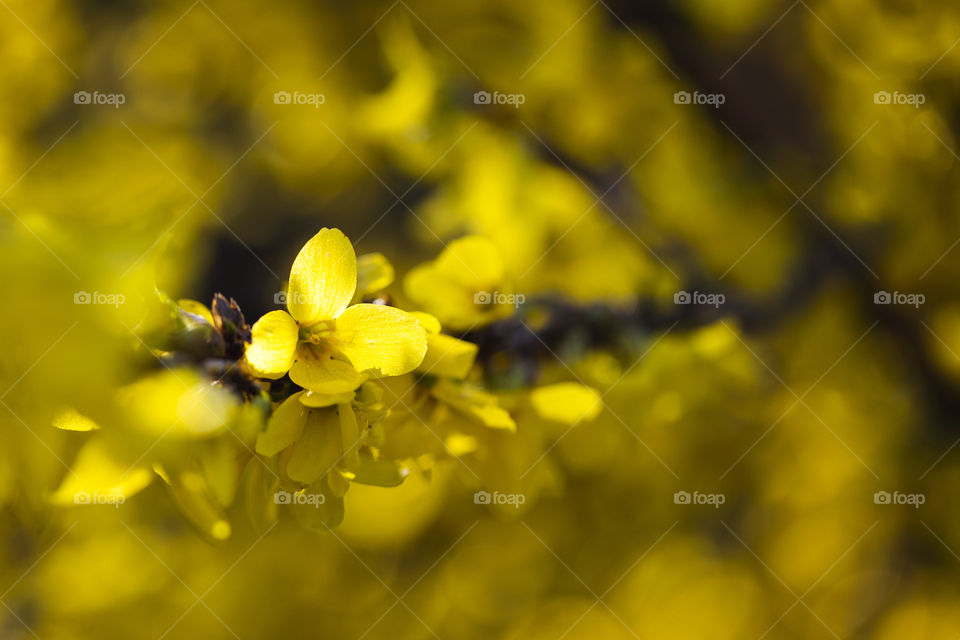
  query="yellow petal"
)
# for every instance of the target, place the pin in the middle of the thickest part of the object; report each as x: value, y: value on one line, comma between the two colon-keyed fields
x: 350, y: 435
x: 283, y: 428
x: 475, y: 403
x: 460, y: 444
x: 319, y: 448
x: 339, y: 483
x: 449, y: 301
x: 380, y: 473
x: 196, y: 308
x: 260, y: 489
x: 374, y: 273
x: 323, y: 278
x: 178, y: 403
x: 103, y: 473
x: 323, y: 374
x: 472, y: 261
x: 448, y: 357
x: 368, y: 394
x: 318, y: 400
x: 566, y: 402
x: 320, y: 509
x: 197, y: 501
x: 429, y: 323
x: 221, y: 468
x: 71, y: 420
x: 271, y: 351
x: 204, y: 410
x: 381, y: 339
x: 490, y: 415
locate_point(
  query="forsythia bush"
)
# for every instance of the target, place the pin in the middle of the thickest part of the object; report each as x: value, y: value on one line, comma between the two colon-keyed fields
x: 552, y: 320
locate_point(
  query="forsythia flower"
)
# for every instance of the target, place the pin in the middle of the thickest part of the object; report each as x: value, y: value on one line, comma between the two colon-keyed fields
x: 322, y: 443
x: 327, y: 346
x: 440, y: 417
x: 465, y: 287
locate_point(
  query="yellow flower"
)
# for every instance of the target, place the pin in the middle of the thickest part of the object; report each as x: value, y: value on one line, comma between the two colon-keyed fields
x: 324, y: 443
x: 466, y: 286
x: 446, y: 357
x: 442, y: 417
x: 327, y: 346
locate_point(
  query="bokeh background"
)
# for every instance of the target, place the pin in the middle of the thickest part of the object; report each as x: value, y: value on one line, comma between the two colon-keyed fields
x: 805, y: 192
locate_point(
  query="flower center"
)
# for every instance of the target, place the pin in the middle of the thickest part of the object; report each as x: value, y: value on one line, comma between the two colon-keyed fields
x: 319, y: 339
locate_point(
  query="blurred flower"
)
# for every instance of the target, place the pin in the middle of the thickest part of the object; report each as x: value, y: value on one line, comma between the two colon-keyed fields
x: 466, y: 286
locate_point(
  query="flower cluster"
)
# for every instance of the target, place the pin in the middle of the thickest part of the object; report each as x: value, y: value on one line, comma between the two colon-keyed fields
x: 331, y: 391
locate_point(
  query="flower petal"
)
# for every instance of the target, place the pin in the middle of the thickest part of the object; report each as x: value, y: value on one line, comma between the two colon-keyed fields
x: 177, y: 403
x: 381, y: 339
x: 197, y: 501
x: 323, y: 278
x: 380, y: 473
x: 566, y: 402
x: 319, y: 448
x: 260, y: 489
x: 350, y: 434
x: 221, y: 469
x: 448, y: 357
x: 321, y: 511
x: 472, y: 261
x: 430, y: 288
x: 429, y: 323
x: 374, y: 273
x: 284, y: 427
x: 196, y: 308
x: 103, y: 473
x: 323, y: 374
x: 338, y: 482
x: 318, y: 400
x: 71, y: 420
x: 270, y: 353
x: 473, y: 402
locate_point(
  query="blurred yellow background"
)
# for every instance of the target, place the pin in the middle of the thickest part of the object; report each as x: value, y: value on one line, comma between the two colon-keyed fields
x: 743, y: 477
